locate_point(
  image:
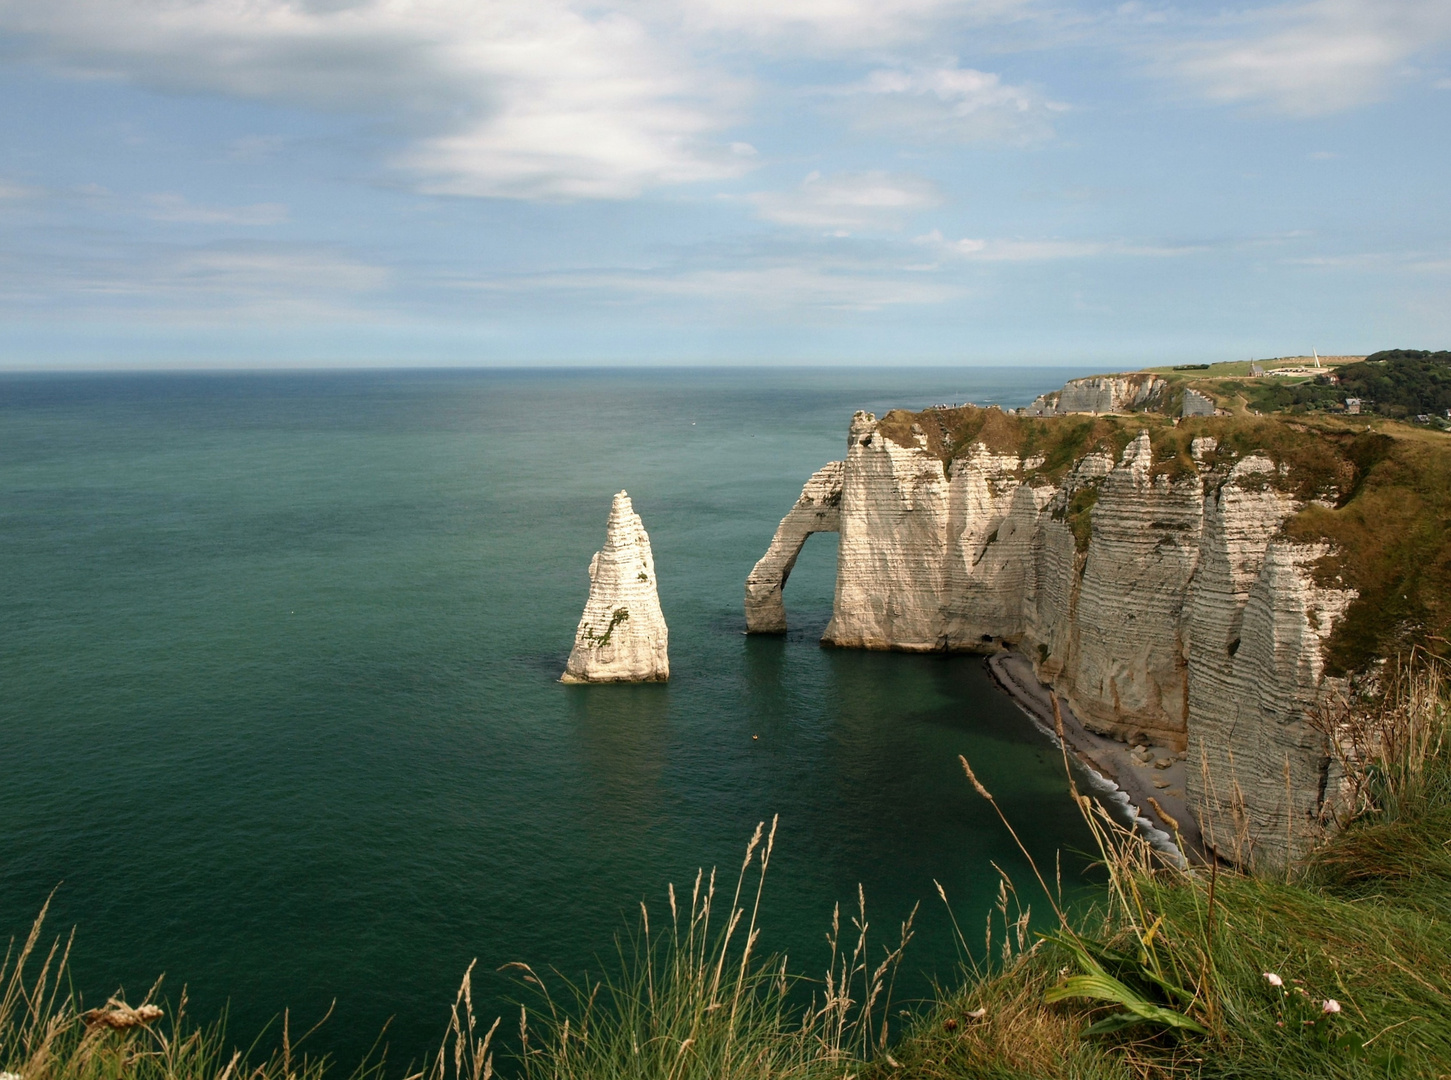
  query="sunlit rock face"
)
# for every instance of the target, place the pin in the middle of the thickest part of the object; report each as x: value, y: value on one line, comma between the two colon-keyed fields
x: 1101, y: 394
x: 890, y: 559
x: 1174, y: 608
x: 622, y: 635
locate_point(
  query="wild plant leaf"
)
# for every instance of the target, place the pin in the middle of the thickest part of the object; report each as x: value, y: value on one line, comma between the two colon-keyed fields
x: 1101, y: 986
x: 1113, y: 1022
x: 1096, y: 956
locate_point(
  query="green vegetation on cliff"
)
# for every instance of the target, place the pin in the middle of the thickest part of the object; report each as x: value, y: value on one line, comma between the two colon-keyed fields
x: 1398, y: 383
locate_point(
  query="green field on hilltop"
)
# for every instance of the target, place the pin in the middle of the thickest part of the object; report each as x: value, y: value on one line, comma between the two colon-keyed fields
x: 1401, y: 384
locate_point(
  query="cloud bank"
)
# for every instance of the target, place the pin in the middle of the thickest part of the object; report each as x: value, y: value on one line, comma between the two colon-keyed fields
x: 1305, y: 59
x: 512, y: 98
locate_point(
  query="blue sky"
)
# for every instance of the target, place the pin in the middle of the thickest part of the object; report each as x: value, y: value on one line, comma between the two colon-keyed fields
x: 310, y: 182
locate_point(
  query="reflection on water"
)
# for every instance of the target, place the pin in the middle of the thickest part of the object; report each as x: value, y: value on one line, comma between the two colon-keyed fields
x: 622, y: 739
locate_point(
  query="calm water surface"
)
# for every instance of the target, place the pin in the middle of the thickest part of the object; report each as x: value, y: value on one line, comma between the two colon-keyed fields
x: 278, y: 709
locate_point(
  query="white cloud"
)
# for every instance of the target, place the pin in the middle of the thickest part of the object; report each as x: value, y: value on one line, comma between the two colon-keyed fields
x: 783, y: 287
x: 170, y: 207
x: 848, y: 201
x: 514, y: 98
x: 1307, y: 59
x: 1419, y: 262
x: 1016, y: 250
x: 948, y: 102
x: 253, y: 271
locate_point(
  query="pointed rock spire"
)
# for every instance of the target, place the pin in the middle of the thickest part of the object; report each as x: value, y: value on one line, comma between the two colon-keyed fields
x: 621, y: 635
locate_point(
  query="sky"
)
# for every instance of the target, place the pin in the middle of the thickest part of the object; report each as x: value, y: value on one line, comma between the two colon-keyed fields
x: 240, y: 183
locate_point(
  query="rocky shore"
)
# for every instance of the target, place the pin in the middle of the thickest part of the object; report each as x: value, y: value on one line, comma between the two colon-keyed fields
x: 1155, y: 771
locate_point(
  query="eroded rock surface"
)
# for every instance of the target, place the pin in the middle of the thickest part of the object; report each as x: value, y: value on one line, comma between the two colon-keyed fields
x: 1128, y: 670
x: 889, y: 562
x: 1158, y: 597
x: 622, y: 635
x: 1261, y: 772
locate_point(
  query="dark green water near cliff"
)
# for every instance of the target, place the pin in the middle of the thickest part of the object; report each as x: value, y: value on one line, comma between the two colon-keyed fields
x: 278, y: 708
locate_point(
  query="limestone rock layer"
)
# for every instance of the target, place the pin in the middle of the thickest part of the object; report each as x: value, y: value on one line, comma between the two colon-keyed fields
x: 622, y: 635
x: 1177, y: 608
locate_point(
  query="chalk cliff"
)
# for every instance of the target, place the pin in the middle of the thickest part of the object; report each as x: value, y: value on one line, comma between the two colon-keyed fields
x: 622, y: 635
x: 893, y: 537
x: 1155, y: 589
x: 1258, y: 621
x: 1102, y: 394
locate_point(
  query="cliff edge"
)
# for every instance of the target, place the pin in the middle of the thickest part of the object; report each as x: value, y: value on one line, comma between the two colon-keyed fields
x: 1211, y: 585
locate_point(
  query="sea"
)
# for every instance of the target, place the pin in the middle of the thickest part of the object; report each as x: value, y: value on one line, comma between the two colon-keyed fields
x: 279, y: 714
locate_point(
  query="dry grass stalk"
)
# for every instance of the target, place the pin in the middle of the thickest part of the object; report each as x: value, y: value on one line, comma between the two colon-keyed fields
x: 702, y: 1002
x: 46, y: 1034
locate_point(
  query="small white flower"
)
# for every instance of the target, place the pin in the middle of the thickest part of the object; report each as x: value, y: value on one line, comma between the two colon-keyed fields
x: 1331, y: 1006
x: 1273, y: 979
x: 9, y: 1076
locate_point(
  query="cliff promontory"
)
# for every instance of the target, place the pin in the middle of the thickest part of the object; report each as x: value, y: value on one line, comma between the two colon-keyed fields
x: 1207, y: 584
x: 621, y: 635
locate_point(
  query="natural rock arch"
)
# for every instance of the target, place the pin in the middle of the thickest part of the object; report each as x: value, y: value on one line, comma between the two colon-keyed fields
x: 817, y: 510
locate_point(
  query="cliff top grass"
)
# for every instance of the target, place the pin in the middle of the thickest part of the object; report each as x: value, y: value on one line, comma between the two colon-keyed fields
x: 1228, y: 369
x: 1061, y: 441
x: 1377, y: 491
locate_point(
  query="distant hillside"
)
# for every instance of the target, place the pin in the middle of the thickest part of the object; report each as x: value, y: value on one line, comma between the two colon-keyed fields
x: 1397, y: 383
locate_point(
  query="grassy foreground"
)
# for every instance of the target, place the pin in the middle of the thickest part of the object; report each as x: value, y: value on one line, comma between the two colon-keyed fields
x: 1342, y: 969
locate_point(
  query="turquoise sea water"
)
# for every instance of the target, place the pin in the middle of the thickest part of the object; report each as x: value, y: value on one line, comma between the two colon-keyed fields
x: 278, y: 709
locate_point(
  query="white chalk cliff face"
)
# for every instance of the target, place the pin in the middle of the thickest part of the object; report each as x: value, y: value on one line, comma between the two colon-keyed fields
x: 890, y: 561
x: 1100, y: 394
x: 1262, y: 774
x: 622, y: 635
x: 1130, y: 663
x: 1185, y: 616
